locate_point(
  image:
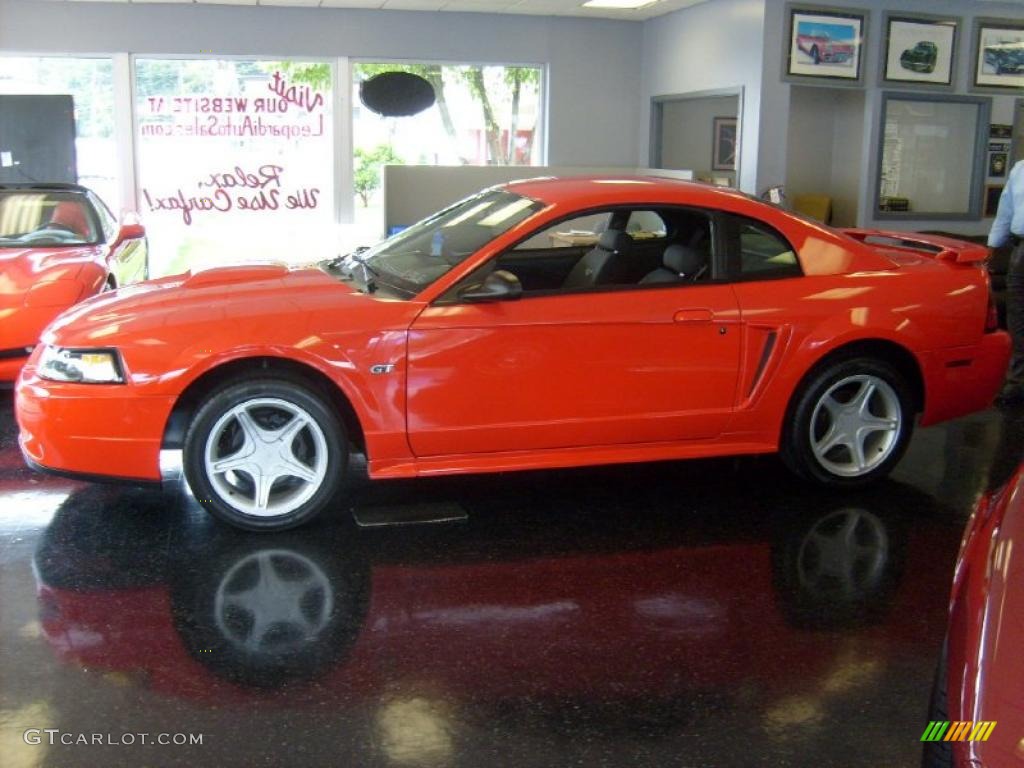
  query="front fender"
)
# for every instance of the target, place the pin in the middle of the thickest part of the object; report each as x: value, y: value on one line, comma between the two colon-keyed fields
x: 378, y: 401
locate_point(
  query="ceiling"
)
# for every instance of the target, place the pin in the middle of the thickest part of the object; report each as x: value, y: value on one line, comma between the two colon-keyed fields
x: 529, y: 7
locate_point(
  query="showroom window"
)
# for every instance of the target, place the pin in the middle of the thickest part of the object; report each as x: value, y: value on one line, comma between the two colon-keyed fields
x: 931, y: 156
x: 90, y: 83
x: 472, y: 115
x: 234, y: 160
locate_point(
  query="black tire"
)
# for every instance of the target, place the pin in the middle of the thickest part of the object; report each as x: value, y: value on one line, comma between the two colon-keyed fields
x: 796, y: 447
x: 815, y: 54
x: 938, y: 754
x: 212, y: 494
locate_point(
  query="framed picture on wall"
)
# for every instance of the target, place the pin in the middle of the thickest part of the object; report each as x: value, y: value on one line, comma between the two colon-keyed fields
x: 1000, y: 131
x: 825, y: 44
x: 723, y: 154
x: 920, y: 49
x: 997, y: 164
x: 998, y: 54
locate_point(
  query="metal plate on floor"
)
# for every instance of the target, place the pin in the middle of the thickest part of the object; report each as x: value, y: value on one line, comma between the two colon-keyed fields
x: 409, y: 514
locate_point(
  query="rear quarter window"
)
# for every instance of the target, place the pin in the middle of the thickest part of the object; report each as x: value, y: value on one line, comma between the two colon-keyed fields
x: 760, y: 252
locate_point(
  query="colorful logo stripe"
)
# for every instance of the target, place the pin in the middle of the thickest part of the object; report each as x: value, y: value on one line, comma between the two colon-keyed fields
x: 960, y: 730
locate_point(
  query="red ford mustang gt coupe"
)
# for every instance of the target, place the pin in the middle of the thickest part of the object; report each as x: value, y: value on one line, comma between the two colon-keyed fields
x: 980, y: 675
x: 58, y: 244
x: 546, y: 323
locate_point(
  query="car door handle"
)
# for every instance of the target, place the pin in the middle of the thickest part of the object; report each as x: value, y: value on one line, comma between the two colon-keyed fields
x: 694, y: 316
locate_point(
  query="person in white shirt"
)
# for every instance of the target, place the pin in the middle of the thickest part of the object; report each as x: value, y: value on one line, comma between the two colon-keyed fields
x: 1008, y: 227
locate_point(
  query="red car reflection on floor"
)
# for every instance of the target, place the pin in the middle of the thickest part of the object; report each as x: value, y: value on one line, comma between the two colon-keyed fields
x: 661, y: 614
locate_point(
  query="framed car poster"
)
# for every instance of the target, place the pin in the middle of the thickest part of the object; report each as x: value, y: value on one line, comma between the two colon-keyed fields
x: 920, y: 49
x: 825, y: 44
x: 998, y: 55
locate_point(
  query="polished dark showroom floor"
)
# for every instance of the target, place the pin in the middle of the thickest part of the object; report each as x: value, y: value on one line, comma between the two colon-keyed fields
x: 704, y: 613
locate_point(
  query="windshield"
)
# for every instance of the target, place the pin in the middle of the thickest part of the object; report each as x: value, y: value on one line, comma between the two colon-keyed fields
x: 35, y: 219
x: 419, y: 255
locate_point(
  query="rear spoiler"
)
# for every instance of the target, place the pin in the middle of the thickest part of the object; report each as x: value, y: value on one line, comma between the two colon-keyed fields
x: 943, y: 248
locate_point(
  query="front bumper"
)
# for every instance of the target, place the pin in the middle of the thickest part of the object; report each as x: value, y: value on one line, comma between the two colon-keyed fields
x: 96, y: 430
x: 963, y: 380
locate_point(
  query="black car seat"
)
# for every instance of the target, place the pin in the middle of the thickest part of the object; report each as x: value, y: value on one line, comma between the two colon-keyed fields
x: 681, y: 263
x: 603, y: 265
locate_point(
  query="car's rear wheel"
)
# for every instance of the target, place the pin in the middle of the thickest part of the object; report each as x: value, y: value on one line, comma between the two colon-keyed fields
x: 850, y: 423
x: 265, y: 455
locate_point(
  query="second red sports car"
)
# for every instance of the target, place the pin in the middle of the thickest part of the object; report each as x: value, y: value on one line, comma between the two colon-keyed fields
x: 545, y: 323
x: 59, y: 244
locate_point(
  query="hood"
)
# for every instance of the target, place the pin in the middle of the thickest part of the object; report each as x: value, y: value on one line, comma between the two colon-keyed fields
x: 22, y: 268
x: 257, y: 303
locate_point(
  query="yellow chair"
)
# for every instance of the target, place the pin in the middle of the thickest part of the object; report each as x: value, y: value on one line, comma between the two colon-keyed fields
x: 816, y: 206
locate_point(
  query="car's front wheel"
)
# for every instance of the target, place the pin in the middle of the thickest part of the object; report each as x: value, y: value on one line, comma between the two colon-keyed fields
x: 267, y: 454
x: 850, y: 423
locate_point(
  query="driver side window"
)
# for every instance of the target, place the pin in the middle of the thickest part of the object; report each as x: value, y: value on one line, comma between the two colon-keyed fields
x: 606, y: 250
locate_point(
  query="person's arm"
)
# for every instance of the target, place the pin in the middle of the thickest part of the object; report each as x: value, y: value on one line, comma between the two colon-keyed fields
x: 1000, y: 231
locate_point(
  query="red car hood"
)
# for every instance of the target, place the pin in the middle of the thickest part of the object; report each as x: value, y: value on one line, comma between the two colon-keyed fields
x: 21, y: 268
x: 266, y: 299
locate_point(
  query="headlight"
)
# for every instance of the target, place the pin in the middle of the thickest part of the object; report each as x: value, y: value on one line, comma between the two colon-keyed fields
x: 88, y: 366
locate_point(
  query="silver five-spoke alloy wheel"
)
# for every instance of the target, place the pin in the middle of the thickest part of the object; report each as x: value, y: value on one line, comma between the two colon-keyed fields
x: 266, y: 457
x: 855, y: 425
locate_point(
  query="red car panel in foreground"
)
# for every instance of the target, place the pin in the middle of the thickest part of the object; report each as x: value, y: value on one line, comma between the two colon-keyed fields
x: 545, y: 323
x: 59, y: 244
x: 981, y: 675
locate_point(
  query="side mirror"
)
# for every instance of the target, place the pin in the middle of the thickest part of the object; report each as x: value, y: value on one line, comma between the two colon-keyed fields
x: 500, y: 285
x: 131, y: 229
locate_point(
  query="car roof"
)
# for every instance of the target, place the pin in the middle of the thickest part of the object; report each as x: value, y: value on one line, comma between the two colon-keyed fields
x: 626, y: 189
x: 33, y: 186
